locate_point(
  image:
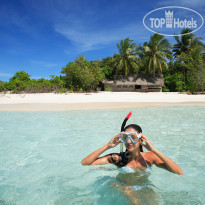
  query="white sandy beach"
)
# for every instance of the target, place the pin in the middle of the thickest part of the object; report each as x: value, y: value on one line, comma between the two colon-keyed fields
x: 100, y: 100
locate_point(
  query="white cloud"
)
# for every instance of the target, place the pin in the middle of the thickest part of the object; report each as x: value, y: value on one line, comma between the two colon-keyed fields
x: 10, y: 17
x: 87, y: 39
x: 5, y: 75
x: 85, y: 24
x: 36, y: 77
x: 43, y: 63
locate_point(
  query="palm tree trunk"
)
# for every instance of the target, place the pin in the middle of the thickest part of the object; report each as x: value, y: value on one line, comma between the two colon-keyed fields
x: 125, y: 68
x: 184, y: 76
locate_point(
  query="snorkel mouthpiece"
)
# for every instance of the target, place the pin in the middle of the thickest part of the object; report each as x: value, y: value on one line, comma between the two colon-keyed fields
x: 123, y: 129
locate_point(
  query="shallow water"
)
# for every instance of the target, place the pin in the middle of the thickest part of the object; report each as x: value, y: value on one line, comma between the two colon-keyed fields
x: 41, y: 154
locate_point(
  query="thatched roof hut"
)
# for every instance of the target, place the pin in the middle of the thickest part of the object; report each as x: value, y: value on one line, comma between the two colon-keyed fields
x: 138, y: 83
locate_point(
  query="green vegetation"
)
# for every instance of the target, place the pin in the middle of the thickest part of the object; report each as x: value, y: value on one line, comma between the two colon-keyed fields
x: 186, y: 43
x: 21, y: 82
x: 126, y: 62
x: 182, y: 64
x: 155, y: 54
x: 82, y: 75
x: 108, y: 89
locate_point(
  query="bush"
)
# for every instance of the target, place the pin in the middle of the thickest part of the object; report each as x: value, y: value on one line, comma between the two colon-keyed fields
x: 2, y: 86
x: 165, y: 89
x: 57, y: 83
x: 21, y: 76
x: 82, y: 75
x: 39, y: 86
x: 108, y: 89
x: 196, y: 79
x: 175, y: 82
x: 19, y: 82
x: 107, y: 66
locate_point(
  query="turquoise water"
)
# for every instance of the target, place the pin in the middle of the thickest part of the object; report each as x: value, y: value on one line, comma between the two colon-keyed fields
x: 41, y: 152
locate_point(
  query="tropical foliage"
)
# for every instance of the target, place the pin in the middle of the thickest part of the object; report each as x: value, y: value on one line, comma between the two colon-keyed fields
x: 82, y: 75
x: 21, y: 82
x: 126, y: 61
x: 183, y: 67
x: 107, y: 65
x: 155, y: 54
x: 186, y: 43
x: 194, y: 67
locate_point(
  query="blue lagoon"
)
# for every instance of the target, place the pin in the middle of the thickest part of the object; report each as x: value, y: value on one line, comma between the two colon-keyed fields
x: 41, y: 154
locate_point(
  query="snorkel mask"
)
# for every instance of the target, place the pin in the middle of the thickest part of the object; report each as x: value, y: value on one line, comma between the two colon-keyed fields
x: 133, y: 136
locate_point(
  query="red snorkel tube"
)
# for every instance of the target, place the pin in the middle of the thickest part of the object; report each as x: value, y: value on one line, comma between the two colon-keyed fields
x: 123, y: 129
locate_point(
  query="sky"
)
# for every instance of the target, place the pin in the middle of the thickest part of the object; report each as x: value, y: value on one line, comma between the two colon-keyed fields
x: 42, y: 36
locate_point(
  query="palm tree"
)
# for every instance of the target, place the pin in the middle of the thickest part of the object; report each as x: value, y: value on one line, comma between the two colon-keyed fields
x: 156, y: 53
x: 126, y: 61
x: 186, y: 43
x: 187, y: 50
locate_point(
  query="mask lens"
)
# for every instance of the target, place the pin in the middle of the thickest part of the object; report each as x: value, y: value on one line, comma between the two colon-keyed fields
x: 123, y: 137
x: 134, y: 137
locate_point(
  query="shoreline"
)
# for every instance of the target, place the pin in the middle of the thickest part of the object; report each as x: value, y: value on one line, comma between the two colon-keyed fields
x: 89, y: 106
x: 100, y: 100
